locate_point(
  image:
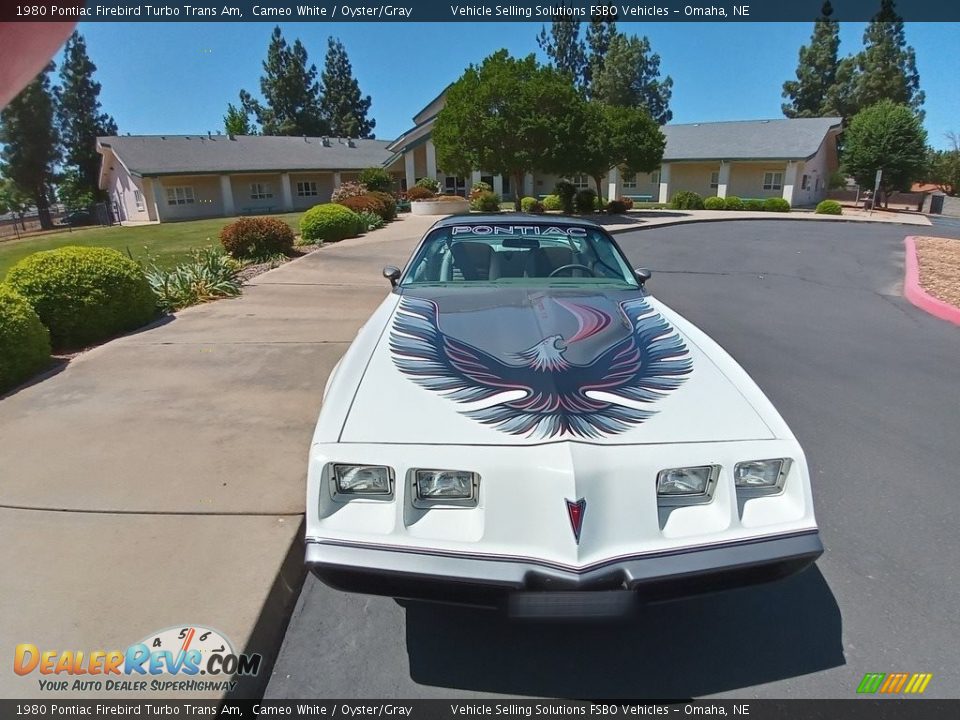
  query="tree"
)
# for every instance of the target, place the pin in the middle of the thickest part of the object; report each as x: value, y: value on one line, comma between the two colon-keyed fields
x: 615, y: 136
x: 79, y: 118
x: 31, y: 144
x: 943, y: 166
x: 237, y: 121
x: 344, y: 108
x: 629, y: 76
x: 565, y: 49
x: 508, y: 116
x: 841, y: 97
x: 887, y: 65
x: 816, y: 69
x: 290, y: 90
x: 73, y: 191
x: 599, y: 35
x: 887, y: 137
x: 12, y: 200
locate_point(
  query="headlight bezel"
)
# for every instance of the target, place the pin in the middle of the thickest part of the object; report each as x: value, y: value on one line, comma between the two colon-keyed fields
x: 756, y: 491
x: 424, y: 502
x: 340, y: 494
x: 681, y: 499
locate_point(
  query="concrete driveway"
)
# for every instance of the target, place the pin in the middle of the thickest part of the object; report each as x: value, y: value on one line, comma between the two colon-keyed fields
x: 871, y: 386
x: 158, y: 480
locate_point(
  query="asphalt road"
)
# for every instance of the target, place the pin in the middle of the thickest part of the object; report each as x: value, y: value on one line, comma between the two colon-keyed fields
x: 871, y: 387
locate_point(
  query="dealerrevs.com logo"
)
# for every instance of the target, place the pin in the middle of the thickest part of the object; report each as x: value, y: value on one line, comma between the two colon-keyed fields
x: 190, y: 658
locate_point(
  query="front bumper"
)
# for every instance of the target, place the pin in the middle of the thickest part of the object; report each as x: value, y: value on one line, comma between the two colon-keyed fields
x: 530, y: 588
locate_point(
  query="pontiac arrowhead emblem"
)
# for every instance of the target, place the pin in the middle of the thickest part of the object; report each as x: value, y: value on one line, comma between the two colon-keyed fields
x: 575, y: 510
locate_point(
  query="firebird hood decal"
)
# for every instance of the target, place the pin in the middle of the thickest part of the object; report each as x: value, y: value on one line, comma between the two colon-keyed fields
x: 635, y: 359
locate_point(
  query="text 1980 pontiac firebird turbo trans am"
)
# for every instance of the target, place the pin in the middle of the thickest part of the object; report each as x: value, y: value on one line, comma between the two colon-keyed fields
x: 520, y: 423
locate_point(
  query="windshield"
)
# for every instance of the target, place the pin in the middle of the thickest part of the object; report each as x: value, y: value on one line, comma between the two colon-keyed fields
x: 518, y: 253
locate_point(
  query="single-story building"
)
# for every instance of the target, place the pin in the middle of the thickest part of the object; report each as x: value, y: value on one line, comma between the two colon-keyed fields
x: 788, y: 158
x: 177, y: 177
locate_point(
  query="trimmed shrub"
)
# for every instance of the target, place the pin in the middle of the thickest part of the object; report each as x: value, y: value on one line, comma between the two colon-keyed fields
x: 527, y: 203
x: 376, y: 179
x: 208, y: 275
x: 753, y: 204
x: 586, y: 200
x: 329, y: 222
x: 776, y: 204
x: 537, y: 208
x: 616, y: 207
x: 389, y: 204
x: 713, y: 203
x: 686, y: 200
x: 256, y: 237
x: 486, y: 202
x: 84, y: 294
x: 370, y: 220
x: 567, y: 192
x: 733, y: 203
x: 477, y: 188
x: 419, y: 193
x: 24, y: 341
x: 829, y: 207
x: 368, y: 203
x: 628, y: 202
x: 428, y: 184
x: 552, y: 202
x: 351, y: 188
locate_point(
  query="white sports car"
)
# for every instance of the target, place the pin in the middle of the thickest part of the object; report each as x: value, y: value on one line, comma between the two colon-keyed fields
x: 521, y: 424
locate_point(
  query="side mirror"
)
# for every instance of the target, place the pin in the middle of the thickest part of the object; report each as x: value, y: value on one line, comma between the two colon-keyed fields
x: 392, y: 273
x: 642, y: 274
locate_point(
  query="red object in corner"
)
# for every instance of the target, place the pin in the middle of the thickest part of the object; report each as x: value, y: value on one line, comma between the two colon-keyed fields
x: 913, y: 292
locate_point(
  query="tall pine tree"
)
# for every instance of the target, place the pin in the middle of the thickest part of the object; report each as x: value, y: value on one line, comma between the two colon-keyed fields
x: 887, y: 65
x: 31, y: 143
x: 600, y: 33
x: 630, y: 77
x: 565, y: 48
x: 290, y: 92
x: 816, y: 70
x: 79, y: 118
x: 237, y: 121
x: 344, y: 108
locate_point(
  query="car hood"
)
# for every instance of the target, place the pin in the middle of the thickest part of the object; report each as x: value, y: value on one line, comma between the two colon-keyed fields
x: 512, y: 366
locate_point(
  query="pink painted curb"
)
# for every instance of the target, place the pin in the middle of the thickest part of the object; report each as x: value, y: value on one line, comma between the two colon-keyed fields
x: 917, y: 295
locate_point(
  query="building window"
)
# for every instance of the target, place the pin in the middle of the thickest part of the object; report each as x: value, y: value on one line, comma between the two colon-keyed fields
x: 307, y: 189
x: 818, y: 185
x: 715, y: 180
x: 655, y: 177
x: 581, y: 181
x: 629, y: 181
x: 181, y: 195
x: 138, y: 199
x: 805, y: 182
x: 773, y: 181
x: 260, y: 191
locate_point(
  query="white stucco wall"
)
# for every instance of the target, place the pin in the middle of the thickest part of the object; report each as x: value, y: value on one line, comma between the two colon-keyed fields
x: 122, y: 188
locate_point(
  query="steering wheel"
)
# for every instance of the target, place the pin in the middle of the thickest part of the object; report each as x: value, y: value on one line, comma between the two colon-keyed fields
x: 573, y: 266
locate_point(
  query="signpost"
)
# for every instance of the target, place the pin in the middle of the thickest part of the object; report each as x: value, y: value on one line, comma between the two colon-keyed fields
x: 876, y: 189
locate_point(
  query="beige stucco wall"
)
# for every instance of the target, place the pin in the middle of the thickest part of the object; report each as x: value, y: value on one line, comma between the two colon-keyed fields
x: 324, y: 183
x: 818, y: 169
x: 121, y: 188
x: 243, y: 204
x: 206, y: 193
x: 694, y: 177
x: 746, y: 179
x: 645, y: 186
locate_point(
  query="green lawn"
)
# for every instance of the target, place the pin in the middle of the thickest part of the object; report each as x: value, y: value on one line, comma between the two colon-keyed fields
x: 166, y: 243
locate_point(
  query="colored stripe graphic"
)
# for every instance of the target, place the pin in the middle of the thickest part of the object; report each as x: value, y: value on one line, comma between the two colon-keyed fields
x: 894, y: 683
x: 871, y: 682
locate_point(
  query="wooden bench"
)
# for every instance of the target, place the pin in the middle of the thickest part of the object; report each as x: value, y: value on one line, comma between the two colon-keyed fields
x: 639, y: 198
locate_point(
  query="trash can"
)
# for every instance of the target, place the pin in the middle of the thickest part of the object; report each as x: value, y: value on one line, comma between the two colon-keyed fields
x: 936, y: 204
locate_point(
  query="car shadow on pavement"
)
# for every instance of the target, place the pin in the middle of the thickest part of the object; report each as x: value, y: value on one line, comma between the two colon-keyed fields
x: 683, y: 649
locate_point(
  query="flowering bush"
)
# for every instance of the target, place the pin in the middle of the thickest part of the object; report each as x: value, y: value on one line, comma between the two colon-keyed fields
x: 348, y: 189
x: 428, y: 184
x: 479, y: 188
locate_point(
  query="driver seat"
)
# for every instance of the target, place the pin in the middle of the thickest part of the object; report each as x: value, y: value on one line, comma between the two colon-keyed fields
x: 542, y: 261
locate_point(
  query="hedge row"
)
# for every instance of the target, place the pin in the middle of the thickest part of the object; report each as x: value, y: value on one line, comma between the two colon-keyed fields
x: 687, y: 200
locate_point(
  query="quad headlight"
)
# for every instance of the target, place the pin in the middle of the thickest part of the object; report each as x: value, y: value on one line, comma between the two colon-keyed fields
x: 434, y: 486
x: 760, y: 477
x: 362, y: 479
x: 686, y: 485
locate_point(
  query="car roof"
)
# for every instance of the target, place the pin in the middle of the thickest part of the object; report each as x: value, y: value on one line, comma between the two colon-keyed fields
x: 511, y: 217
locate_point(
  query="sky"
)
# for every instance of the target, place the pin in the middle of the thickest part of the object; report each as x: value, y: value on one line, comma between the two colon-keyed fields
x: 177, y: 78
